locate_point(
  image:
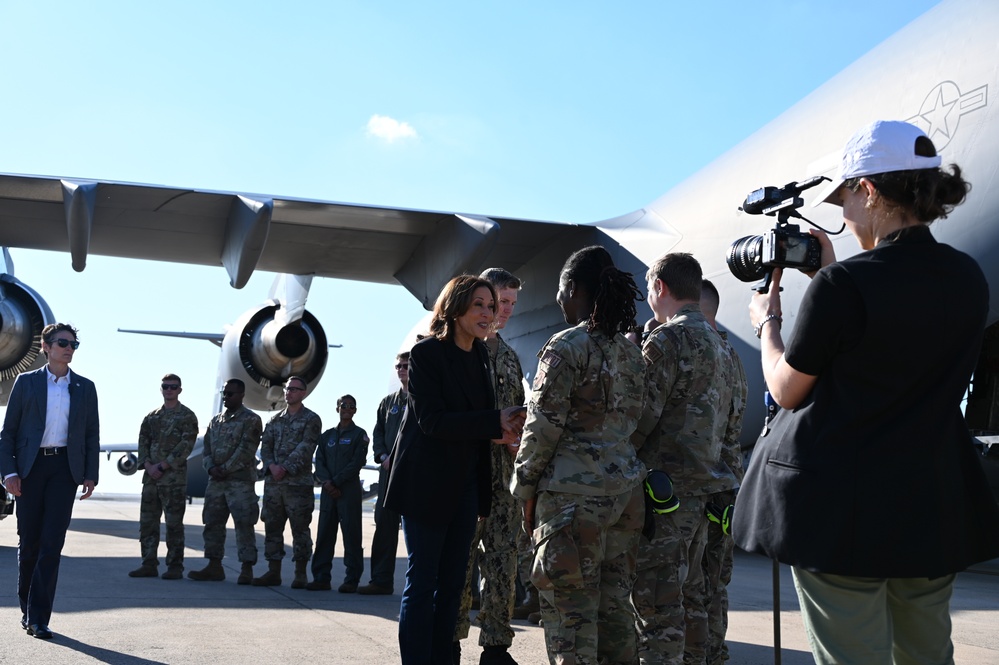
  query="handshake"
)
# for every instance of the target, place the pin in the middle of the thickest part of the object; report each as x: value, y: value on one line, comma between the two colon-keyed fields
x: 512, y: 421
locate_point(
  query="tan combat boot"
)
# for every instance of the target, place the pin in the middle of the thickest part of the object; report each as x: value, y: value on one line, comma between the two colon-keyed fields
x: 213, y: 572
x: 245, y: 573
x: 272, y: 577
x: 301, y: 578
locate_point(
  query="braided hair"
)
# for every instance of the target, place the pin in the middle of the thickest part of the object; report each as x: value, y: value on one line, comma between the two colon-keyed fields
x: 613, y: 291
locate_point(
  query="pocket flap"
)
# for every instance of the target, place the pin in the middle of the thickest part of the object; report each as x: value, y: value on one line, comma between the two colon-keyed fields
x: 559, y: 521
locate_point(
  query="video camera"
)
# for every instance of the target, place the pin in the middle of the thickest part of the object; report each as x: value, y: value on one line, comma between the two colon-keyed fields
x: 785, y: 246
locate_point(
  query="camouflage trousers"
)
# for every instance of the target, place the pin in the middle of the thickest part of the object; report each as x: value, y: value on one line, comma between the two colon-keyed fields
x: 584, y: 570
x: 717, y: 568
x: 495, y: 543
x: 170, y: 501
x: 670, y: 587
x: 238, y: 498
x: 283, y: 504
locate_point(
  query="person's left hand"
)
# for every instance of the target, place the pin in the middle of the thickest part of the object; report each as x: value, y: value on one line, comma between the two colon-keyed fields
x: 88, y: 489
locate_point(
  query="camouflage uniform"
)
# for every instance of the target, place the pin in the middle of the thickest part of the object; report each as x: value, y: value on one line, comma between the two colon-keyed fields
x: 385, y: 542
x: 339, y: 457
x: 717, y: 562
x: 166, y: 435
x: 577, y: 459
x: 496, y: 536
x: 289, y: 440
x: 231, y: 443
x: 682, y: 430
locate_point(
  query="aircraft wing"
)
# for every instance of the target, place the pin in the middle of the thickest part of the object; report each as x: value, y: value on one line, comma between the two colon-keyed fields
x: 245, y: 232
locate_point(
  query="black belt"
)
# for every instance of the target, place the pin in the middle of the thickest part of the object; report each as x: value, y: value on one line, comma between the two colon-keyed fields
x: 53, y: 451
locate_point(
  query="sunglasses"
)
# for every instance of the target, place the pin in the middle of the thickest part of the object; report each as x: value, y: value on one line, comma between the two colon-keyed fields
x: 402, y: 366
x: 63, y: 343
x: 170, y: 386
x: 293, y: 389
x: 228, y: 393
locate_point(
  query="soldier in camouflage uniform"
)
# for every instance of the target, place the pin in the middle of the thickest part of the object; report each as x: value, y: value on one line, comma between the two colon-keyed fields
x: 340, y: 455
x: 230, y: 443
x: 718, y: 553
x: 166, y: 437
x: 687, y: 418
x: 286, y: 448
x: 385, y: 542
x: 496, y: 536
x: 577, y: 471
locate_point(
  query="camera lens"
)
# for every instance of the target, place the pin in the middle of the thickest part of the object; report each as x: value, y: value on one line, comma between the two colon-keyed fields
x: 745, y: 258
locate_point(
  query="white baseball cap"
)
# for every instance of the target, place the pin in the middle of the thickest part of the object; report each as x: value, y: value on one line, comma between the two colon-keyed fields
x: 881, y: 147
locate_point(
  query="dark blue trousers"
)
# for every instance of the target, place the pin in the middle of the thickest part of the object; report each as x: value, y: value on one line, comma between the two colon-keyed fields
x: 385, y: 542
x: 438, y: 558
x: 44, y: 510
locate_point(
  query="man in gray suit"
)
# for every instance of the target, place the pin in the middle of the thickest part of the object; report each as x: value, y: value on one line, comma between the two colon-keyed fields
x: 49, y: 446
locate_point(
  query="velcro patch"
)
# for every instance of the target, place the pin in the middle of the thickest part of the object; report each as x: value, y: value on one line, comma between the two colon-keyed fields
x: 551, y: 358
x: 539, y: 379
x: 652, y: 353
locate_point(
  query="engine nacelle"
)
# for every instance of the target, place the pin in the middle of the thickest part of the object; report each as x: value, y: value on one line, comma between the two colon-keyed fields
x: 23, y: 315
x: 263, y: 353
x: 128, y: 464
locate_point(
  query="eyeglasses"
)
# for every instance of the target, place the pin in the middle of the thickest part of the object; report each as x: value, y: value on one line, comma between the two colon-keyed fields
x: 349, y: 407
x: 292, y: 389
x: 228, y: 393
x: 170, y: 386
x: 63, y: 343
x: 402, y: 366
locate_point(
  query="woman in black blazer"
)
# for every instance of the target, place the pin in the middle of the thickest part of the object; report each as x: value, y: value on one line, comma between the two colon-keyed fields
x: 440, y: 473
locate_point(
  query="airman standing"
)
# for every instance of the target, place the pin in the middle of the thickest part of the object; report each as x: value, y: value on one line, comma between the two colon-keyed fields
x: 166, y: 438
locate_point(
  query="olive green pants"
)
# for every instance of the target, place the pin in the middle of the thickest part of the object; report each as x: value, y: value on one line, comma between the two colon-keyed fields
x: 875, y: 621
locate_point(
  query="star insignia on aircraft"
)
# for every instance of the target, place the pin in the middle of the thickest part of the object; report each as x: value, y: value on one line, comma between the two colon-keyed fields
x: 942, y: 109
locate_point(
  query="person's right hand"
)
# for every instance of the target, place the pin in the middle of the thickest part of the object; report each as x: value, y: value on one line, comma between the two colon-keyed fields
x: 828, y: 254
x: 529, y: 505
x: 512, y: 421
x: 13, y: 485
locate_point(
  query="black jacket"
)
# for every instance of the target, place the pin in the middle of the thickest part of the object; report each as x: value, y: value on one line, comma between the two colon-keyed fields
x: 440, y: 435
x: 874, y: 474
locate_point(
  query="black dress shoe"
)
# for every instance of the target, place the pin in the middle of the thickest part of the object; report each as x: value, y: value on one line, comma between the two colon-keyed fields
x: 39, y: 631
x: 24, y: 622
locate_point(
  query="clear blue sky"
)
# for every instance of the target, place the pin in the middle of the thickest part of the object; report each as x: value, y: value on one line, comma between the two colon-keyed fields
x: 566, y: 111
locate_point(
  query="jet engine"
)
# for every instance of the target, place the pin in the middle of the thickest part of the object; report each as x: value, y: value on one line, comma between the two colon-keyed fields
x: 263, y: 350
x: 128, y: 464
x: 23, y: 315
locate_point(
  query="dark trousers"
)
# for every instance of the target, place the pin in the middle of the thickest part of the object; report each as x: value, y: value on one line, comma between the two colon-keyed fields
x: 386, y: 539
x: 438, y: 557
x: 344, y: 513
x: 44, y: 510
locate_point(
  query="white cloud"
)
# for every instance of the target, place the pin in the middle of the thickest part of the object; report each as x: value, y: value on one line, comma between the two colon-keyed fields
x: 390, y: 129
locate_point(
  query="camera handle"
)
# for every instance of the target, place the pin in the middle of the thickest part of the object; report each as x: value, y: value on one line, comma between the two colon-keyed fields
x: 763, y: 285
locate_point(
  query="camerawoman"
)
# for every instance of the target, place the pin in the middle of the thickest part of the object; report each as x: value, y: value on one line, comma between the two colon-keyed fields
x: 867, y: 482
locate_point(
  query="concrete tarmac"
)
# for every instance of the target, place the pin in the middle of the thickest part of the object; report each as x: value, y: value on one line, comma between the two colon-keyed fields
x: 103, y: 616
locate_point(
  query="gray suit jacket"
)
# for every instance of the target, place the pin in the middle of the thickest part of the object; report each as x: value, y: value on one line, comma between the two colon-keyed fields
x: 24, y: 425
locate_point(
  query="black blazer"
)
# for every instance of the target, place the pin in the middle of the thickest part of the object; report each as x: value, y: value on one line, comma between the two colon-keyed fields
x: 874, y: 474
x: 24, y: 425
x: 439, y: 434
